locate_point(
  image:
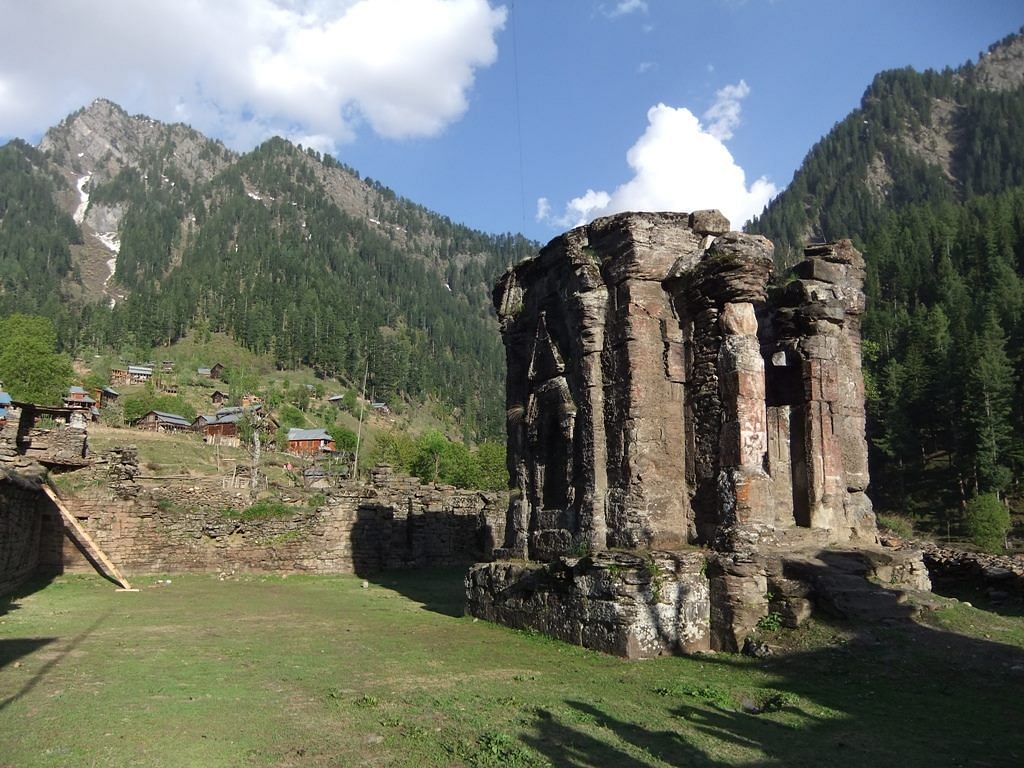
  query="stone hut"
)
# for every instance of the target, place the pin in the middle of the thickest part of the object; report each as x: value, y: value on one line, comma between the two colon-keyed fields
x: 663, y: 392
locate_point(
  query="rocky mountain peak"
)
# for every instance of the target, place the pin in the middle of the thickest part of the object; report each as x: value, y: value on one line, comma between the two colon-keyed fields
x: 102, y: 138
x: 1001, y: 68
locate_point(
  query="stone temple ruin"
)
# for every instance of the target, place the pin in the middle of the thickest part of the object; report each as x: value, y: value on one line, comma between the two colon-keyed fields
x: 685, y: 438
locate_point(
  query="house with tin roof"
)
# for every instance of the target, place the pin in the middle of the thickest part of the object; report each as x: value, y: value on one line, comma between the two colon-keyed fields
x: 309, y: 442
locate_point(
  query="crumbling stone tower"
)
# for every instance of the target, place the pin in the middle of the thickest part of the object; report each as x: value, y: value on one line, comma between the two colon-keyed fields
x: 659, y: 393
x: 685, y: 438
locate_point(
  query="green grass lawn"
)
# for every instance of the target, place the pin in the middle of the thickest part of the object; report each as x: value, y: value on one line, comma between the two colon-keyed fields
x: 317, y: 671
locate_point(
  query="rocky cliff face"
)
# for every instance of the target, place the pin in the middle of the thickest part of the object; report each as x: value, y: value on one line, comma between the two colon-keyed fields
x: 1001, y: 68
x: 659, y: 395
x: 102, y: 139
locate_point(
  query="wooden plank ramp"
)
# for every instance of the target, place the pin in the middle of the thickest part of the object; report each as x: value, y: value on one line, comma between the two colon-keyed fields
x: 87, y: 542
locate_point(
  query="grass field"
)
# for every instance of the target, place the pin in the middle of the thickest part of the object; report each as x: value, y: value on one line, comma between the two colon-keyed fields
x: 318, y: 671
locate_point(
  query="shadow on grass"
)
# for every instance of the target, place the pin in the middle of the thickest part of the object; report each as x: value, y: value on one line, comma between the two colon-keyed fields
x: 14, y: 649
x: 887, y: 692
x: 907, y: 696
x: 53, y: 662
x: 980, y: 596
x: 441, y: 590
x: 12, y: 600
x: 569, y: 746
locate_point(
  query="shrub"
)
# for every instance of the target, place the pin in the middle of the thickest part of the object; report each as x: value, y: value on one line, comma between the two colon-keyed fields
x: 987, y: 521
x: 261, y: 510
x: 899, y: 526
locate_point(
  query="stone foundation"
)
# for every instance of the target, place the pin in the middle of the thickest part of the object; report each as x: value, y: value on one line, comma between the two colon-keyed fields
x: 663, y: 602
x: 614, y: 602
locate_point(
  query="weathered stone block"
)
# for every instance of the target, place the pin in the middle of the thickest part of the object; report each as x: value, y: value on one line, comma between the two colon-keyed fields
x: 709, y: 222
x: 620, y: 604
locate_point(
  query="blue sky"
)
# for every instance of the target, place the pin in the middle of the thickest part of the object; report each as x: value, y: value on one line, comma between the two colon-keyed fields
x: 480, y: 109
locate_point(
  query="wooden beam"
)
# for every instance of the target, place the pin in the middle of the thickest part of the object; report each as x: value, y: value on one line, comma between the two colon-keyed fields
x: 84, y: 538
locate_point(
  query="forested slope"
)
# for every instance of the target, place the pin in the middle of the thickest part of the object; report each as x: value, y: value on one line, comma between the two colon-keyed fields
x: 288, y: 251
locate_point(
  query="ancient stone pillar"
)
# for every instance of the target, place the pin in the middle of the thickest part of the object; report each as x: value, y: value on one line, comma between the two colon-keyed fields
x: 816, y: 395
x: 657, y: 395
x: 715, y: 299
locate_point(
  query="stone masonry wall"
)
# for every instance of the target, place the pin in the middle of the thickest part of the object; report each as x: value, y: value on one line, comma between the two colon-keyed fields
x: 182, y: 526
x: 20, y: 531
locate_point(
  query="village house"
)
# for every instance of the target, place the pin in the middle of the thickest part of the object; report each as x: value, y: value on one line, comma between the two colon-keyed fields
x: 106, y: 396
x: 218, y: 397
x: 158, y: 421
x: 220, y: 428
x: 309, y: 442
x: 132, y: 374
x: 139, y: 374
x: 78, y: 399
x: 250, y: 400
x: 213, y: 372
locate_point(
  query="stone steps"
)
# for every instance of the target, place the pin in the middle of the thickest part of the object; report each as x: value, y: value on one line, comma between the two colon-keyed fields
x: 841, y: 583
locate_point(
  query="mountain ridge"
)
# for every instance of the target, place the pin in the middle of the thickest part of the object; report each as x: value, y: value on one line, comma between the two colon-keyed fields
x: 914, y: 136
x: 159, y: 229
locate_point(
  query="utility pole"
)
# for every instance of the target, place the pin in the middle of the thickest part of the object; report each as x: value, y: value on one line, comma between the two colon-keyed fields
x: 359, y: 433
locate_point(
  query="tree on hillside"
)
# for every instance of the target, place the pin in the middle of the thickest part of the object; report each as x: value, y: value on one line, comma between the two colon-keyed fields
x: 30, y: 367
x: 988, y: 409
x: 987, y: 521
x: 493, y: 470
x: 430, y: 450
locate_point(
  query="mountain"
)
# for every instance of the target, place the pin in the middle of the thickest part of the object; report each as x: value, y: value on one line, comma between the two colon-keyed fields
x: 927, y: 177
x: 916, y: 137
x: 128, y: 232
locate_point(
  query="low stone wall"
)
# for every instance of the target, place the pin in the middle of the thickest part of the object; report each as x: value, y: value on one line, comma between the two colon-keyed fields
x: 1000, y: 576
x: 186, y: 526
x: 619, y: 603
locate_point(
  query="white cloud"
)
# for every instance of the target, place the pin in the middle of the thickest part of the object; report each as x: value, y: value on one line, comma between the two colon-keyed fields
x: 625, y: 7
x: 723, y: 117
x: 245, y: 69
x: 678, y: 165
x: 645, y: 66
